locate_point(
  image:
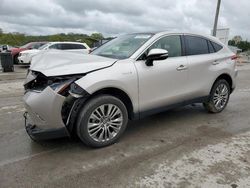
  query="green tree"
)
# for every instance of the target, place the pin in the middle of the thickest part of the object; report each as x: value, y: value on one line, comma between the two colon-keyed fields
x: 19, y: 39
x: 97, y: 36
x: 237, y: 39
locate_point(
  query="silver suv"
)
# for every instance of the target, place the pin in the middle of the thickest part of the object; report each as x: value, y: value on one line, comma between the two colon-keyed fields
x: 130, y: 77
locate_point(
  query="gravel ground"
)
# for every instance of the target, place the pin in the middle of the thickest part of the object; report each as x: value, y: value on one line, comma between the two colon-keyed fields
x: 183, y: 147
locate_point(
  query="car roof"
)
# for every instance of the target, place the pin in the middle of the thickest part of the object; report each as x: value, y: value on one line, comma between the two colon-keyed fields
x: 165, y: 32
x: 66, y: 42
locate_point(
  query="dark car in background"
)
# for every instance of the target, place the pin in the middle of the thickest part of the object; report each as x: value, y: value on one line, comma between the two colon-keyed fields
x: 32, y: 45
x: 5, y: 47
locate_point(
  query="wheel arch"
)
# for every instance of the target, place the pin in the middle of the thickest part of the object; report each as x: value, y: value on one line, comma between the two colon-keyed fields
x: 226, y: 77
x: 120, y: 94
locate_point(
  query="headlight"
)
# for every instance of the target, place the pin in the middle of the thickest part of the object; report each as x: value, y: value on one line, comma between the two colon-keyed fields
x: 36, y: 81
x: 61, y: 87
x: 76, y: 91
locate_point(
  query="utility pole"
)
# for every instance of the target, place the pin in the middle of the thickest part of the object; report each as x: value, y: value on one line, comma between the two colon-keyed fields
x: 216, y: 17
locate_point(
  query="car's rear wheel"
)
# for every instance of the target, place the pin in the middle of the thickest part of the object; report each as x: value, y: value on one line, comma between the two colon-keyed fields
x: 219, y: 97
x: 102, y: 121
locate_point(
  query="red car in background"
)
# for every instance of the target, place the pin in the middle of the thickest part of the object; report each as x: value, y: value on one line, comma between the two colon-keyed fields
x: 32, y: 45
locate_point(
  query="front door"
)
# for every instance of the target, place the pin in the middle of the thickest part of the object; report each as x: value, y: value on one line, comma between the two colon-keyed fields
x: 166, y: 82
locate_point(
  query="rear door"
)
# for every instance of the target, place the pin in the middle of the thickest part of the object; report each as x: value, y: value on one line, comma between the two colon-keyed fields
x: 165, y: 82
x: 201, y: 57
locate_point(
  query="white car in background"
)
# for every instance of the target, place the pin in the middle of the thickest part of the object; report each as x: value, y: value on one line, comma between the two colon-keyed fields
x: 26, y: 56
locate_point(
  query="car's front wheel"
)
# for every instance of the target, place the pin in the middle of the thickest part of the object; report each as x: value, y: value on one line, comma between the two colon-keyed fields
x: 102, y: 121
x: 15, y: 61
x: 219, y: 97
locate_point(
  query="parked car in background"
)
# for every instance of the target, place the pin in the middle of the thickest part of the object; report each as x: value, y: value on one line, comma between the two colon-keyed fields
x: 32, y: 45
x: 130, y: 77
x: 25, y: 57
x: 100, y: 43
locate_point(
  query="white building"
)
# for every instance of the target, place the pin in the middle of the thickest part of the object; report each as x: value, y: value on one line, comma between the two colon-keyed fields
x: 223, y: 35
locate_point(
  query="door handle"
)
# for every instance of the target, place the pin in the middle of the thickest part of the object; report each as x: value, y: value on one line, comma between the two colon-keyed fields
x: 181, y: 67
x: 215, y: 62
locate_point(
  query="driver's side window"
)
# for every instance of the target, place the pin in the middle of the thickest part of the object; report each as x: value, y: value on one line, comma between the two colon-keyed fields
x: 170, y: 43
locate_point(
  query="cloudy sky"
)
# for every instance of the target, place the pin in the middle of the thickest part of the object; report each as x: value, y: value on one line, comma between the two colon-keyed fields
x: 112, y: 17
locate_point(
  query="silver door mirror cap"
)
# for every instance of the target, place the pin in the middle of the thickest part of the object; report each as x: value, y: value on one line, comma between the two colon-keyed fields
x: 156, y: 54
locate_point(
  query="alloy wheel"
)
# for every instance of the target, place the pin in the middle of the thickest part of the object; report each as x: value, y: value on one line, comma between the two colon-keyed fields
x: 105, y: 122
x: 221, y: 96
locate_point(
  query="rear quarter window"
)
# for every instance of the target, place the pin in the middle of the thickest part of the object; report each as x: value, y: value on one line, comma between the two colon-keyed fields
x: 210, y: 47
x: 216, y: 46
x: 196, y: 45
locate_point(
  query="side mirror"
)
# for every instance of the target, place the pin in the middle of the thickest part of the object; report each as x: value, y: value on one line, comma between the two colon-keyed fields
x: 156, y: 54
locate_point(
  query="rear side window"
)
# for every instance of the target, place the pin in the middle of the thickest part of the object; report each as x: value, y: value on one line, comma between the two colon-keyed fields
x: 68, y: 46
x: 216, y: 46
x: 196, y: 45
x: 78, y: 46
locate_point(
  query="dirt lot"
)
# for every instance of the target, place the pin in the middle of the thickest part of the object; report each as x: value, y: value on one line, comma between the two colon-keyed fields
x: 184, y: 147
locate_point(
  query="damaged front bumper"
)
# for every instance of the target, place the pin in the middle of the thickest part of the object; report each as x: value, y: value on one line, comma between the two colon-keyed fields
x: 43, y: 118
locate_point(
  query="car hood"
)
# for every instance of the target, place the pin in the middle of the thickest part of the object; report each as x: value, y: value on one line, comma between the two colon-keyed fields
x: 58, y: 63
x: 33, y: 51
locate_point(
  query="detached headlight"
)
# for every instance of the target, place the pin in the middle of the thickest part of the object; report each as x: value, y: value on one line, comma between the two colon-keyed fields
x: 61, y: 87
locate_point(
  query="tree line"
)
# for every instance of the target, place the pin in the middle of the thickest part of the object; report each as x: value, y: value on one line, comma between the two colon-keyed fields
x: 19, y: 39
x: 237, y: 41
x: 244, y: 45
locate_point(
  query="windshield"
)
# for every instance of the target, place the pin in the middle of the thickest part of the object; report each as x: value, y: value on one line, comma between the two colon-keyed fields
x: 26, y: 45
x: 43, y: 46
x: 122, y: 47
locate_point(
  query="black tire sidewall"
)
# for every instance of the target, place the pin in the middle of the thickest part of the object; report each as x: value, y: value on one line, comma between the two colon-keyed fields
x: 89, y: 107
x: 15, y: 60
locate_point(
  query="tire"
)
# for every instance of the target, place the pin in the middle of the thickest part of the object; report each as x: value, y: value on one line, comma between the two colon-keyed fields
x: 15, y: 61
x: 219, y: 97
x: 106, y: 129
